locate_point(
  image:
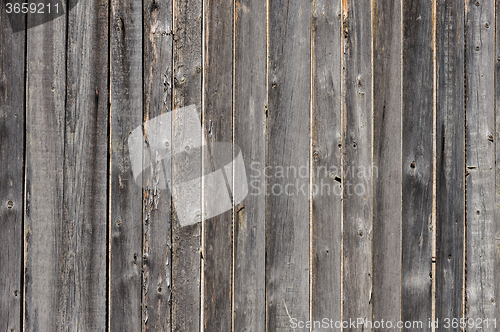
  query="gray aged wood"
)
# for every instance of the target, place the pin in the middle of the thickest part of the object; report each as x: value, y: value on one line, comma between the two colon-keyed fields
x: 187, y: 90
x: 497, y: 159
x: 157, y: 248
x: 125, y: 241
x: 85, y: 248
x: 12, y: 116
x: 66, y: 180
x: 288, y: 146
x: 250, y: 105
x: 480, y: 160
x: 417, y: 165
x: 387, y: 154
x: 357, y: 161
x: 218, y: 126
x: 450, y: 160
x: 84, y: 236
x: 326, y: 134
x: 45, y: 241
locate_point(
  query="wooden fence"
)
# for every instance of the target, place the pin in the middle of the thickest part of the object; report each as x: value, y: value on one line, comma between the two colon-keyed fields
x: 396, y: 99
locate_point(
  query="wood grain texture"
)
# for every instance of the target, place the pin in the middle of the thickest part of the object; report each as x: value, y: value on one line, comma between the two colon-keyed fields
x: 66, y: 185
x: 497, y: 152
x: 45, y: 251
x: 218, y: 125
x: 450, y: 160
x: 288, y: 146
x: 250, y: 104
x: 157, y: 247
x: 85, y: 224
x: 12, y: 115
x: 480, y: 160
x: 387, y: 160
x: 357, y: 161
x: 125, y: 241
x: 326, y: 134
x: 187, y: 90
x: 417, y: 165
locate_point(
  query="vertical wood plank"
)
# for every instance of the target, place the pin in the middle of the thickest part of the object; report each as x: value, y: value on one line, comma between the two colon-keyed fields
x: 12, y: 115
x: 357, y: 162
x: 218, y: 124
x: 497, y: 148
x: 288, y: 146
x: 85, y: 224
x: 250, y: 104
x: 417, y: 166
x: 480, y: 160
x: 45, y: 250
x: 187, y: 90
x: 387, y: 156
x: 125, y: 240
x: 450, y: 160
x: 157, y: 202
x: 327, y: 160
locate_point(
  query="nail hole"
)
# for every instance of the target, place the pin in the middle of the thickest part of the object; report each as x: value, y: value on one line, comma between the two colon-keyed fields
x: 478, y: 212
x: 486, y: 25
x: 10, y: 204
x: 477, y: 3
x: 16, y: 292
x: 159, y: 289
x: 477, y: 48
x: 412, y: 165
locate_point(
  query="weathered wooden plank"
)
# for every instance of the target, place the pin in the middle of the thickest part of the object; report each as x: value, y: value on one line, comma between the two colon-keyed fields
x: 450, y: 160
x: 326, y: 131
x: 125, y: 242
x: 12, y: 115
x: 387, y: 156
x: 417, y: 165
x: 480, y: 160
x: 497, y: 146
x: 85, y: 229
x: 218, y: 124
x: 66, y: 194
x: 187, y: 90
x: 288, y: 146
x: 157, y: 66
x: 357, y: 161
x: 45, y: 238
x: 250, y: 104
